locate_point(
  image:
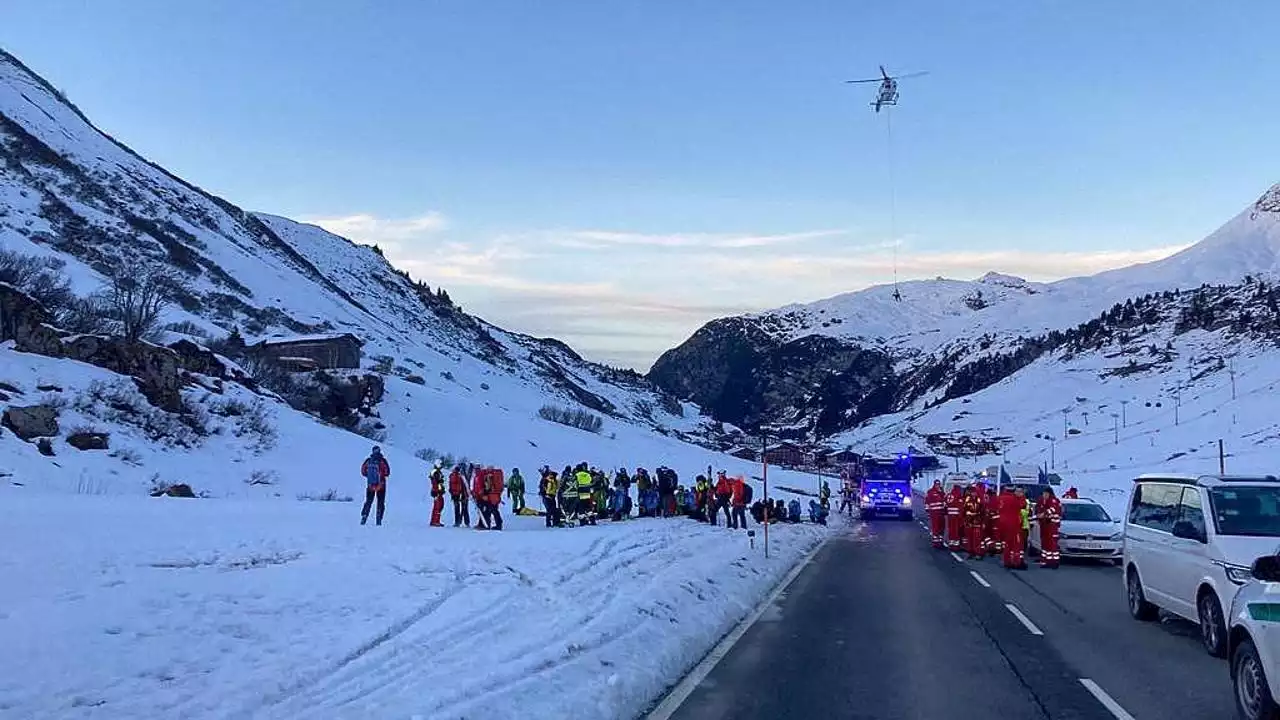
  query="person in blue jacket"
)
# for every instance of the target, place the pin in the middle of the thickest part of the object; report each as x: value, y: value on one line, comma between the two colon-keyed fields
x: 793, y: 511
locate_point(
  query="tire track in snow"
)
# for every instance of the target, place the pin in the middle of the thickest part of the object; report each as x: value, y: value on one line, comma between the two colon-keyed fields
x: 369, y: 646
x: 404, y: 663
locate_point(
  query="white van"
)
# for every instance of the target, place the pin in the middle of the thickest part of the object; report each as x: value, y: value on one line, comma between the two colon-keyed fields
x: 1189, y: 542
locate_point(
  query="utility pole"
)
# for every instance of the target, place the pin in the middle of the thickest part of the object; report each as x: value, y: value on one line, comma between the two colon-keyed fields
x: 1231, y: 370
x: 1124, y: 413
x: 1115, y: 427
x: 1052, y: 445
x: 764, y: 458
x: 1177, y: 403
x: 1065, y: 411
x: 1222, y: 459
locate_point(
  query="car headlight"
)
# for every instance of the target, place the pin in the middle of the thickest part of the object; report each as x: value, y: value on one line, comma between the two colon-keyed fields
x: 1238, y: 574
x: 866, y: 498
x: 906, y: 501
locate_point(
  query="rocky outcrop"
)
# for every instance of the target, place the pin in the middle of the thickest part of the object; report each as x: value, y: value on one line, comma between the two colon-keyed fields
x: 195, y: 358
x: 32, y: 421
x: 89, y: 440
x: 341, y: 399
x: 25, y: 321
x: 813, y: 386
x: 154, y: 368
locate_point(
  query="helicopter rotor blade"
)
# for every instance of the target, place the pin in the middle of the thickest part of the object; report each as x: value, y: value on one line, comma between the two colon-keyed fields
x: 910, y: 75
x: 882, y: 72
x: 874, y: 80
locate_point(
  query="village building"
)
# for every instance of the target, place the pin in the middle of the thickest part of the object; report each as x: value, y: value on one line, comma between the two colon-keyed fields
x: 310, y: 352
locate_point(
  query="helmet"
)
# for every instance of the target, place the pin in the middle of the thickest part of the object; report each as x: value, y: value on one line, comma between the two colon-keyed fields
x: 377, y: 450
x: 438, y: 464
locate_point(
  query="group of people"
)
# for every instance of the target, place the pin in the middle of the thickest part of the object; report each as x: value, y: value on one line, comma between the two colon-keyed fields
x: 581, y: 495
x: 985, y: 523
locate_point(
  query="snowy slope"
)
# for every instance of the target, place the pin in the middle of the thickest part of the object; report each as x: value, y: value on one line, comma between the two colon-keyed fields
x: 141, y: 608
x: 68, y: 190
x: 907, y: 352
x: 1173, y: 395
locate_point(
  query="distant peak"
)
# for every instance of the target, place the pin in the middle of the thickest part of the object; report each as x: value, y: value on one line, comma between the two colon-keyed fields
x: 1270, y: 200
x: 995, y: 278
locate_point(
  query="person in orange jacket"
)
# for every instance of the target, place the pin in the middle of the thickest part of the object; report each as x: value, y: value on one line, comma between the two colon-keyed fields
x: 493, y: 489
x: 1012, y: 507
x: 955, y: 518
x: 375, y: 470
x: 437, y: 495
x: 458, y: 494
x: 975, y: 521
x: 738, y: 498
x: 1049, y: 513
x: 724, y: 495
x: 935, y: 503
x: 995, y: 539
x: 480, y: 497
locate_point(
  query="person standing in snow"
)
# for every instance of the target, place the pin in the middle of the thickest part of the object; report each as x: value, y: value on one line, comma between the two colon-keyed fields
x: 515, y: 489
x: 375, y: 469
x: 481, y: 498
x: 548, y: 487
x: 458, y: 494
x: 724, y: 494
x: 739, y: 496
x: 493, y: 497
x: 437, y: 495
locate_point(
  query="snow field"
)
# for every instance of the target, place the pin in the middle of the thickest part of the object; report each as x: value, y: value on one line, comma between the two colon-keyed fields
x: 138, y: 607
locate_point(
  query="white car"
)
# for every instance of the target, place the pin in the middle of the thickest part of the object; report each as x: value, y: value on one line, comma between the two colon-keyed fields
x: 1189, y: 543
x: 1087, y: 532
x: 1253, y: 643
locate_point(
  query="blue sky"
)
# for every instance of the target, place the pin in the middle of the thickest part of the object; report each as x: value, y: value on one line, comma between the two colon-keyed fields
x: 617, y: 173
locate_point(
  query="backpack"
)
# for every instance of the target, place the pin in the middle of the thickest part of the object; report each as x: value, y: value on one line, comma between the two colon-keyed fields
x: 747, y: 493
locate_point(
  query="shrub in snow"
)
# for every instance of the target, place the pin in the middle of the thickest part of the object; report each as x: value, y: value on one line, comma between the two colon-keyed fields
x: 326, y: 496
x: 186, y: 327
x: 262, y: 477
x: 127, y: 455
x: 426, y: 454
x: 579, y: 418
x: 43, y: 278
x: 120, y: 403
x: 160, y: 487
x: 252, y: 420
x: 383, y: 364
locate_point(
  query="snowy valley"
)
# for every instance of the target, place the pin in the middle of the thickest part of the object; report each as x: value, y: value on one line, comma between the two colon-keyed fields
x: 263, y: 596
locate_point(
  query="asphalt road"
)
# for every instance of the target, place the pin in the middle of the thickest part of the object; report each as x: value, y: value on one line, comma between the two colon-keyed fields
x: 881, y: 626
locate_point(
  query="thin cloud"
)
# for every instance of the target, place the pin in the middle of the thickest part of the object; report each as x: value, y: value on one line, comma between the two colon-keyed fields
x: 603, y: 239
x: 373, y: 230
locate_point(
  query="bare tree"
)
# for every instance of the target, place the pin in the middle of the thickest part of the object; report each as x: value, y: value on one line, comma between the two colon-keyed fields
x: 43, y: 278
x: 137, y: 300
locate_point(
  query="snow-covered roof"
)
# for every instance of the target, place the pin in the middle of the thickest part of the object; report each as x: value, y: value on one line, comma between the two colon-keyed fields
x: 293, y: 339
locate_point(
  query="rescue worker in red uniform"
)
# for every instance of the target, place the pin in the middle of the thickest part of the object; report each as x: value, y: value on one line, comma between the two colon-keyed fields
x: 1012, y: 507
x: 995, y: 544
x: 935, y: 503
x: 955, y: 520
x: 437, y: 495
x: 975, y: 521
x: 1071, y: 493
x: 1050, y: 517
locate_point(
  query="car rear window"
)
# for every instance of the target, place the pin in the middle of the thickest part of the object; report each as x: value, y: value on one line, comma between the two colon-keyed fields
x: 1085, y: 512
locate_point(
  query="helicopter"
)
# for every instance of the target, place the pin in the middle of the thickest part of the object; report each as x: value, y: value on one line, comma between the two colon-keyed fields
x: 888, y: 93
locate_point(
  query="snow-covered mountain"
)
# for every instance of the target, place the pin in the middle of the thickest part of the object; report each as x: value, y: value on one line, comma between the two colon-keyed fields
x: 454, y: 383
x: 818, y: 369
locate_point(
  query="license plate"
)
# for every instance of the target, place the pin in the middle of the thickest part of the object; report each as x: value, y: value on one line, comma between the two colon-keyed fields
x: 1090, y: 545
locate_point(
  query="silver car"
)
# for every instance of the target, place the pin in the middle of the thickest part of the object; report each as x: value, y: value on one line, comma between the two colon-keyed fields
x: 1087, y: 531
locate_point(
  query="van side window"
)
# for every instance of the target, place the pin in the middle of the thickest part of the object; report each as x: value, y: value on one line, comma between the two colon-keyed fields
x: 1155, y: 506
x: 1191, y: 510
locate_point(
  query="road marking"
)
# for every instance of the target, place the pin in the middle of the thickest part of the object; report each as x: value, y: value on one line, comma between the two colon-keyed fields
x: 1025, y: 620
x: 1105, y: 699
x: 957, y: 557
x: 981, y: 580
x: 681, y: 692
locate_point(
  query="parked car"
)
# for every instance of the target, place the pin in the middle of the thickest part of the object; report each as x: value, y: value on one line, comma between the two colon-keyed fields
x: 1189, y: 543
x: 1087, y: 531
x: 1253, y: 642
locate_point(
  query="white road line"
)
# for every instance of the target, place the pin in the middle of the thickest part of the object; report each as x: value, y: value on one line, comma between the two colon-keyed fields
x: 981, y: 580
x: 1105, y: 699
x: 957, y: 557
x: 681, y: 692
x: 1025, y: 620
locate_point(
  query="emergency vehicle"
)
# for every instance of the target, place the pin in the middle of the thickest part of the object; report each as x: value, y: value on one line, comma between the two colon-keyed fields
x: 884, y: 487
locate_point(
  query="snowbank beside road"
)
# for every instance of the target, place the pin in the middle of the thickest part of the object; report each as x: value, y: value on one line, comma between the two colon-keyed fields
x: 142, y: 607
